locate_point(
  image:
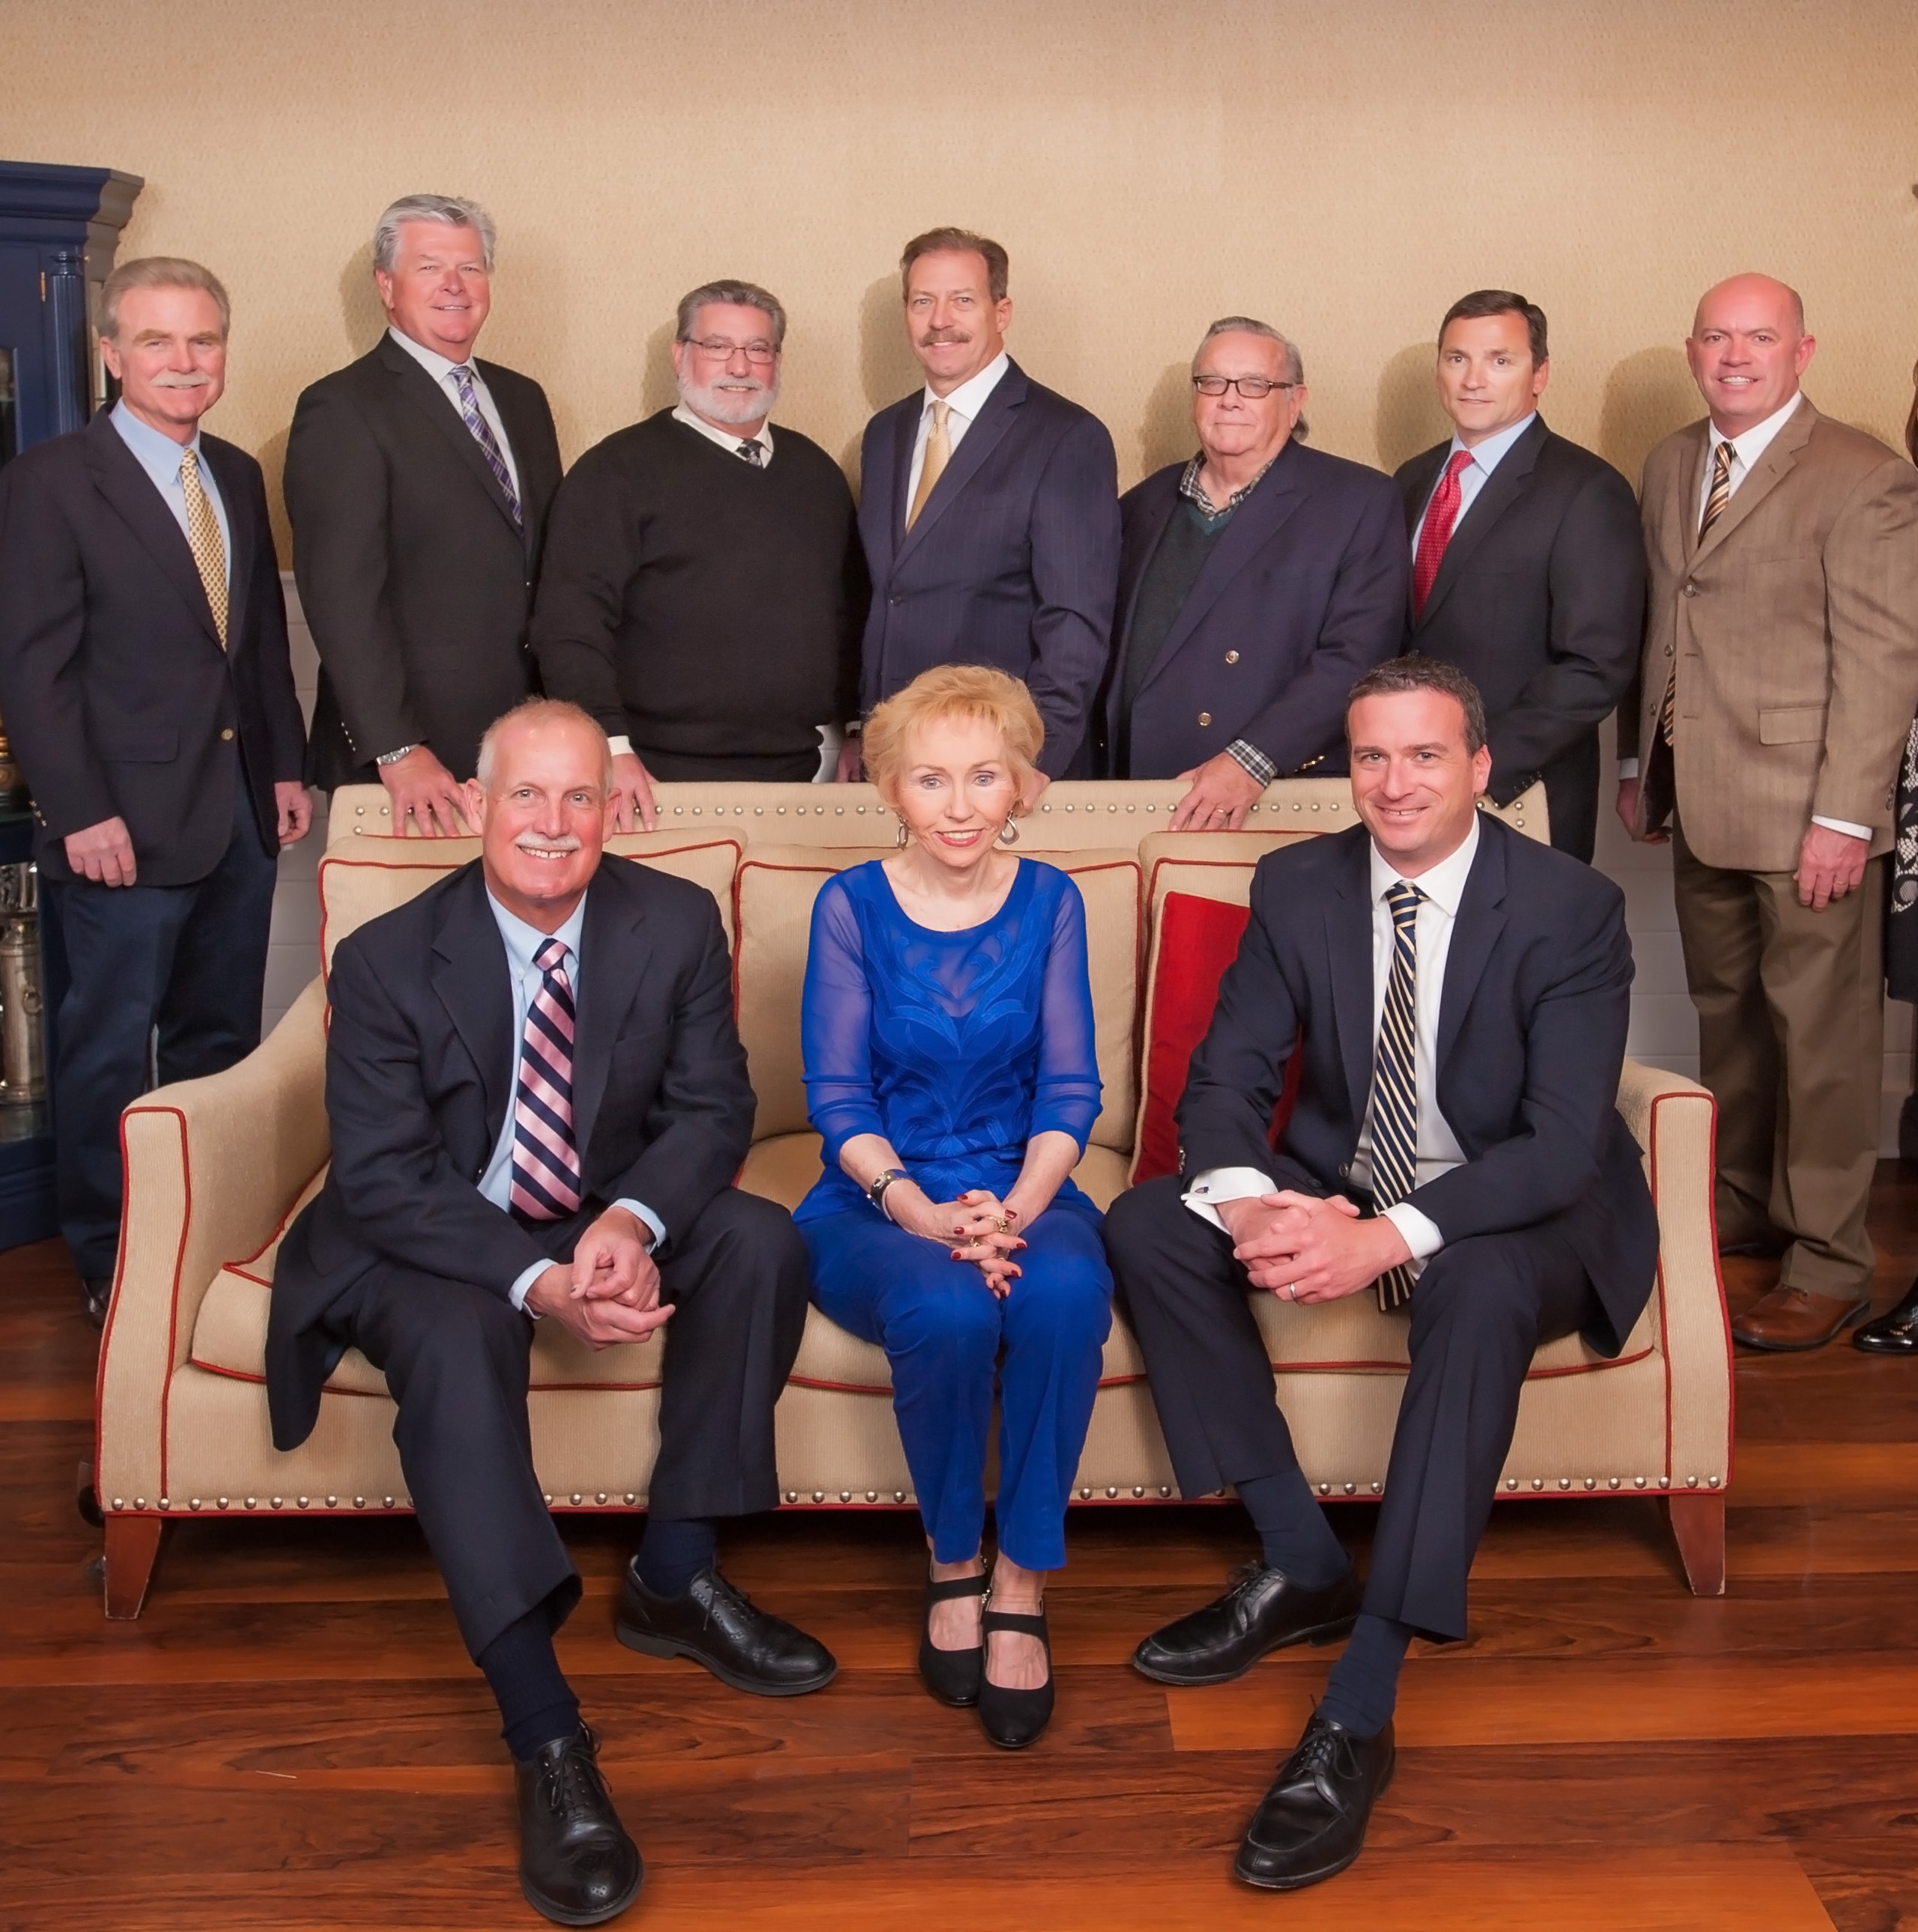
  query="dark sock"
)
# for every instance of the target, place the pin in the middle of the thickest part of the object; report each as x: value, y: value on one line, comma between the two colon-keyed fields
x: 1364, y: 1682
x: 534, y: 1700
x: 1293, y: 1532
x: 673, y: 1551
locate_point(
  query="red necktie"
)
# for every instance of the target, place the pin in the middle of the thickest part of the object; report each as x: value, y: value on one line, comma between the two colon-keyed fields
x: 1436, y: 532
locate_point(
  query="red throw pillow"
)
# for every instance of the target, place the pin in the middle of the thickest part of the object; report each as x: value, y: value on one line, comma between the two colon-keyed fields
x: 1198, y: 940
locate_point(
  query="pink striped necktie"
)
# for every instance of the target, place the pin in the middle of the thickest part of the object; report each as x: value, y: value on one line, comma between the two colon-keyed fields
x: 546, y: 1172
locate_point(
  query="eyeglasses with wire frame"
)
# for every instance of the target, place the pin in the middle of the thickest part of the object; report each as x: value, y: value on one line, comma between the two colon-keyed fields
x: 758, y: 352
x: 1253, y: 388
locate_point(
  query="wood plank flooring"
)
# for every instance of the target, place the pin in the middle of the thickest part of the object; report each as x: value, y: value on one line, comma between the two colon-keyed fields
x: 291, y: 1736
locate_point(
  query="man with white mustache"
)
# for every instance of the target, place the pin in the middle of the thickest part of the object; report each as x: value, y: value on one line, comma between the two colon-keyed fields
x: 703, y: 589
x: 147, y: 691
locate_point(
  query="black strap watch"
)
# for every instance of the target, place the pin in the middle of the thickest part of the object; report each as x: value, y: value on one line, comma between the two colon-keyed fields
x: 876, y: 1188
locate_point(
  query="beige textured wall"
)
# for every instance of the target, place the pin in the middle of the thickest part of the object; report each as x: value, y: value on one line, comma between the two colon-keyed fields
x: 1344, y: 170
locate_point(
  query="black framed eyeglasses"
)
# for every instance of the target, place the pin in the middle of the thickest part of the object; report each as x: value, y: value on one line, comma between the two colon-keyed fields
x: 1253, y: 388
x: 720, y: 350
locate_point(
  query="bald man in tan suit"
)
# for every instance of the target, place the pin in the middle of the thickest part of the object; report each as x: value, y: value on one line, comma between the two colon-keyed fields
x: 1779, y: 681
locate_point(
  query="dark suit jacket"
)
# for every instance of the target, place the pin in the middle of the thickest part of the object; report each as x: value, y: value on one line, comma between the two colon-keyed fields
x: 414, y: 582
x: 420, y: 1060
x: 1307, y: 584
x: 118, y: 699
x: 1540, y: 600
x: 1012, y: 562
x: 1531, y: 1041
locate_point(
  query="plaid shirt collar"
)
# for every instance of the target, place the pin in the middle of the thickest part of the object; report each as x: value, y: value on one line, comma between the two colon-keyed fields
x: 1189, y: 488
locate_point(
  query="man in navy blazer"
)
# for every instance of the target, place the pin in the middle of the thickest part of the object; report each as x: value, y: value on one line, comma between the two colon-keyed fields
x: 989, y: 508
x: 1457, y: 997
x: 1256, y: 582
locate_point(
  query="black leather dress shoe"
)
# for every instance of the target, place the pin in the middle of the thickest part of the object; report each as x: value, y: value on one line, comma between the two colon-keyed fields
x: 1895, y: 1332
x: 577, y: 1864
x: 719, y: 1627
x: 94, y: 1295
x: 1263, y: 1610
x: 1312, y: 1821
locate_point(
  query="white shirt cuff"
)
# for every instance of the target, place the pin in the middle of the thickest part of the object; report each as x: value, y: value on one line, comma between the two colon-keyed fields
x: 522, y: 1287
x: 639, y: 1211
x: 1420, y: 1232
x: 1225, y: 1184
x: 1844, y: 825
x: 620, y: 747
x: 1627, y: 768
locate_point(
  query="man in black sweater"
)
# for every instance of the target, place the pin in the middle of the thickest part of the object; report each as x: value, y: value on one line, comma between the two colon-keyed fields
x: 704, y: 590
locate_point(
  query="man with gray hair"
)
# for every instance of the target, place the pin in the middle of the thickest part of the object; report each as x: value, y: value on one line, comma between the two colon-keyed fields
x: 704, y: 589
x: 418, y: 480
x: 145, y: 680
x: 1257, y: 581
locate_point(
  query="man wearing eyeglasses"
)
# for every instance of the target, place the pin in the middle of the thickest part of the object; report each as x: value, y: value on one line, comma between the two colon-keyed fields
x: 1257, y: 583
x: 704, y: 588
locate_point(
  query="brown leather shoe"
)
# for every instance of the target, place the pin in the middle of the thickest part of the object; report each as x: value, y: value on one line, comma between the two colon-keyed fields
x: 1788, y: 1319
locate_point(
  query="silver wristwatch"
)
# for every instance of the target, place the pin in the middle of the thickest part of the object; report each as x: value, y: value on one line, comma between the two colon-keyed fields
x: 393, y: 757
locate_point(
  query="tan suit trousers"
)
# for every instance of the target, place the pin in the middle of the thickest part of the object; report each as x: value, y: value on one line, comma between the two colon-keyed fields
x: 1791, y: 1042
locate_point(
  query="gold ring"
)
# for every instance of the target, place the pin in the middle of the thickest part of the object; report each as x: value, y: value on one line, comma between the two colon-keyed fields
x: 1004, y: 1226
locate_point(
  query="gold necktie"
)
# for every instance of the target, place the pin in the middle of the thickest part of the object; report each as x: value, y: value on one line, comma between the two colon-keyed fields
x: 1716, y: 498
x: 209, y: 553
x: 938, y: 454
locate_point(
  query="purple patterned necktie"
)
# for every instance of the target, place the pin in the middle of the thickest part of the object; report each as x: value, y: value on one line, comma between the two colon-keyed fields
x: 482, y: 434
x: 546, y: 1175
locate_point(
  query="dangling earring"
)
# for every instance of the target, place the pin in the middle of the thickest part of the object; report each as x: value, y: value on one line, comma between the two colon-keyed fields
x: 901, y: 838
x: 1009, y: 832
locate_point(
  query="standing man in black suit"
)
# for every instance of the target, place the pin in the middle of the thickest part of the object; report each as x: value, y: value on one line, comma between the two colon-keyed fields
x: 1256, y: 582
x: 146, y: 688
x: 704, y: 591
x: 1528, y: 563
x: 538, y: 1100
x: 417, y: 480
x: 988, y: 508
x: 1458, y: 995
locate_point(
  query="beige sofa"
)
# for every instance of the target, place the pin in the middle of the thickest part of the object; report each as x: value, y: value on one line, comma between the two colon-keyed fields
x: 216, y: 1167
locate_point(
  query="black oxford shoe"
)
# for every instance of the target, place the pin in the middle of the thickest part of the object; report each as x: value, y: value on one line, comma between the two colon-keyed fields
x: 94, y: 1295
x: 720, y: 1627
x: 1312, y: 1821
x: 577, y: 1864
x: 1263, y: 1610
x: 1895, y: 1332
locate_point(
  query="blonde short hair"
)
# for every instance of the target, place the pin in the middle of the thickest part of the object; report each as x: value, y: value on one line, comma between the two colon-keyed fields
x: 955, y: 690
x: 159, y: 271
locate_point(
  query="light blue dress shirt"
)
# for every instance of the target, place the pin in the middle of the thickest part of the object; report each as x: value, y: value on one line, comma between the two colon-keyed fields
x: 522, y: 942
x: 159, y: 456
x: 1476, y: 474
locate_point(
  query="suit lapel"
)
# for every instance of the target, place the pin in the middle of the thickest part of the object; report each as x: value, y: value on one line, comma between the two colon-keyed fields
x: 1348, y: 962
x: 981, y: 438
x: 237, y: 498
x: 1506, y: 485
x: 613, y: 962
x: 470, y: 979
x: 1767, y: 473
x: 118, y: 477
x: 1474, y: 932
x: 437, y: 407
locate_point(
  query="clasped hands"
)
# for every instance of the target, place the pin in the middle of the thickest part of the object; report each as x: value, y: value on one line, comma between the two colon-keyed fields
x: 978, y: 1228
x: 1308, y: 1249
x: 610, y: 1291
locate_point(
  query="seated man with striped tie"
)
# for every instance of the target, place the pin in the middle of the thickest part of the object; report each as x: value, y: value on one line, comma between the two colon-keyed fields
x: 1457, y: 997
x: 538, y: 1100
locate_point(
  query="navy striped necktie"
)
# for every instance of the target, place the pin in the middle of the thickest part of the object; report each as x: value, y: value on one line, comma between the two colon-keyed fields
x: 482, y: 434
x: 1395, y: 1080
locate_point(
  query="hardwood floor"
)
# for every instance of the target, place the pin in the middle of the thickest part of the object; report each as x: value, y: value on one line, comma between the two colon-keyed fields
x: 291, y: 1736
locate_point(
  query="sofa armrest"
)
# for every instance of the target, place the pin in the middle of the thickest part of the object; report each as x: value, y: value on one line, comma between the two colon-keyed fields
x: 211, y: 1167
x: 1674, y: 1121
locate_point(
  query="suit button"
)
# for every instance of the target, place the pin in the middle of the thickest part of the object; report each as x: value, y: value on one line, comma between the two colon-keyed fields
x: 1232, y: 657
x: 226, y: 736
x: 1205, y: 717
x: 893, y: 600
x: 1692, y: 590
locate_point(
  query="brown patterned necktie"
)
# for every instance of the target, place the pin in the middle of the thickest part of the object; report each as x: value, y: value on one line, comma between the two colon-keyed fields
x: 1716, y: 498
x: 938, y: 454
x: 209, y: 553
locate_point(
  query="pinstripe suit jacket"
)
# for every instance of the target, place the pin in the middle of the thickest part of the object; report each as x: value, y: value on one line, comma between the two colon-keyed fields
x: 1013, y: 561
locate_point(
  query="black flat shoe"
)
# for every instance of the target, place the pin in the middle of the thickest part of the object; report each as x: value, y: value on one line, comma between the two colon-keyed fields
x: 1311, y: 1823
x: 577, y: 1864
x: 1014, y: 1719
x: 1895, y: 1332
x: 720, y: 1627
x: 1262, y: 1611
x: 953, y: 1676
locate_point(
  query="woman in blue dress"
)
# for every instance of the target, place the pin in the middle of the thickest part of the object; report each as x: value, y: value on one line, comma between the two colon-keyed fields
x: 951, y: 1066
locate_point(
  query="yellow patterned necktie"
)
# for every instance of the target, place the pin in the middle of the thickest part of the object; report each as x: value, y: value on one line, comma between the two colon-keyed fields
x: 209, y: 553
x: 1716, y: 498
x: 938, y: 454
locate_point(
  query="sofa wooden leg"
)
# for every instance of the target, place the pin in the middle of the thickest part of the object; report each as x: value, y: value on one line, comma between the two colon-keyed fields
x: 133, y: 1542
x: 1698, y: 1523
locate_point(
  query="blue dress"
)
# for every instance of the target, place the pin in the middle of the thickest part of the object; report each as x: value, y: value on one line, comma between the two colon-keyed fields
x: 958, y: 1047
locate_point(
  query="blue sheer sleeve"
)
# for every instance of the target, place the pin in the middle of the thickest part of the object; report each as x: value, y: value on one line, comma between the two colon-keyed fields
x: 835, y: 1017
x: 1066, y: 1098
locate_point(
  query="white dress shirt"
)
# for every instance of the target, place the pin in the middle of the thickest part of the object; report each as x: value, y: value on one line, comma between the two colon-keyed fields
x: 961, y: 407
x: 523, y: 942
x: 441, y: 369
x: 1746, y: 449
x: 728, y: 439
x: 159, y: 455
x: 1438, y: 1151
x: 1476, y: 474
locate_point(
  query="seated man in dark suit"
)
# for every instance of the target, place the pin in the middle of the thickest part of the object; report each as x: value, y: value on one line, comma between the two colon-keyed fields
x: 1457, y: 995
x: 1528, y: 566
x: 538, y: 1099
x: 989, y: 508
x: 1255, y: 582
